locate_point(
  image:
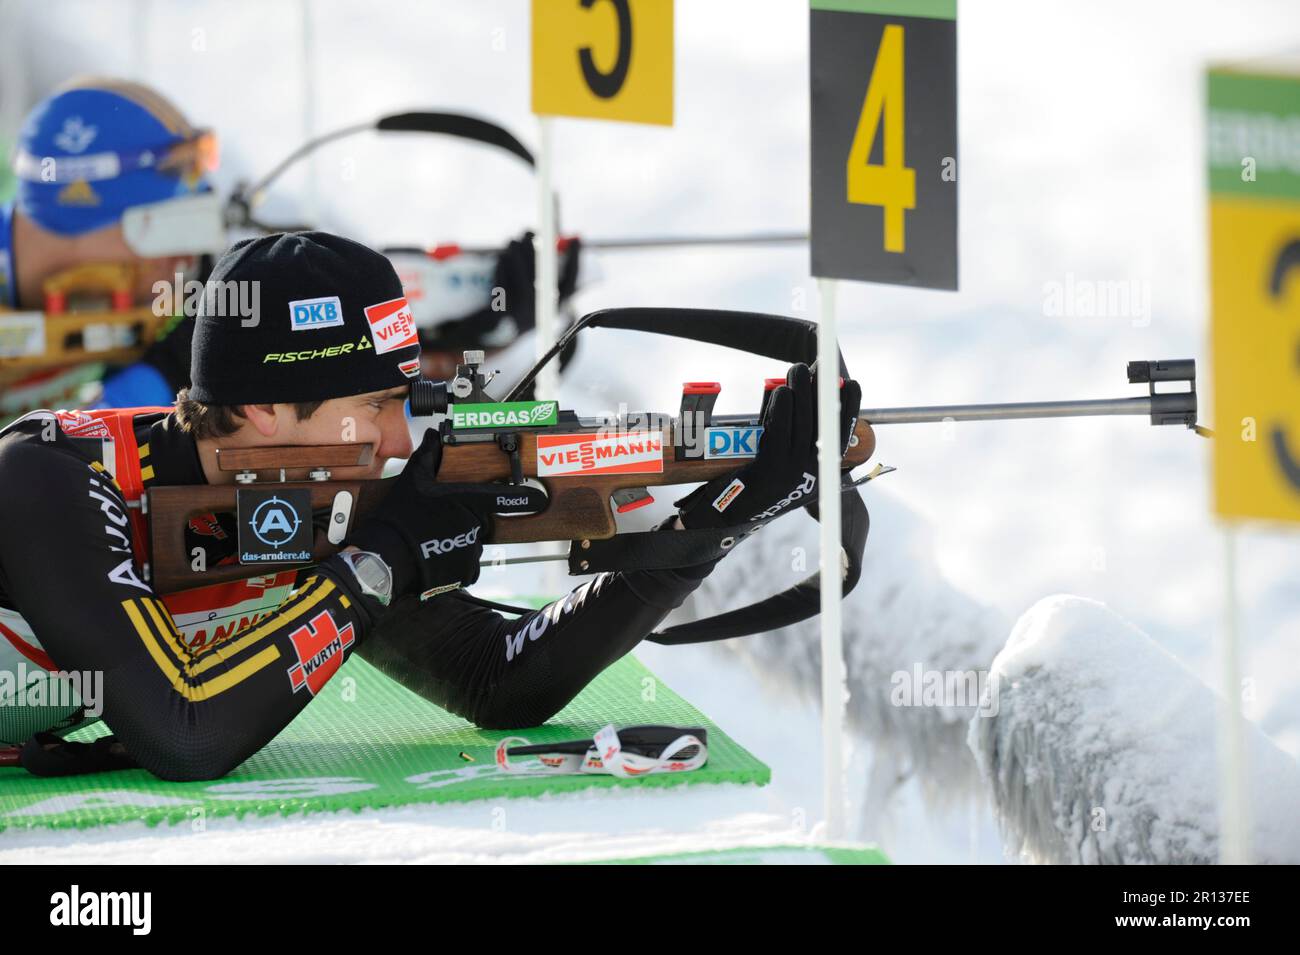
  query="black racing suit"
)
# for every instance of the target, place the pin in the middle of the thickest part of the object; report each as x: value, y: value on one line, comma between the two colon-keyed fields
x: 68, y: 566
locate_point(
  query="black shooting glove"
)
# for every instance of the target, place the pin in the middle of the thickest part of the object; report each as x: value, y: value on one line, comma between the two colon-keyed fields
x: 431, y: 533
x: 783, y: 474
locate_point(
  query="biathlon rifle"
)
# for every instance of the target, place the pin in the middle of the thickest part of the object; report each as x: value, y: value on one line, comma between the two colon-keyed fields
x: 566, y: 456
x: 89, y: 315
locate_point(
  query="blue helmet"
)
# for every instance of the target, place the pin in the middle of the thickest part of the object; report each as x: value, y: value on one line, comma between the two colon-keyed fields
x: 98, y: 147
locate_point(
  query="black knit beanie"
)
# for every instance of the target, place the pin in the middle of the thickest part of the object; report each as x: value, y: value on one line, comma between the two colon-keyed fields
x: 301, y: 316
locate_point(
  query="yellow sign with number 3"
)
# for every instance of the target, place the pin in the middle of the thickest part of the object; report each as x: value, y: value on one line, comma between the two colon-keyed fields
x: 1255, y: 292
x: 604, y: 59
x: 1255, y: 278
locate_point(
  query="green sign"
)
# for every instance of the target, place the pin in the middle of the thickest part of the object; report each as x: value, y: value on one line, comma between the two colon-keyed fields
x: 1253, y: 134
x: 503, y: 414
x: 884, y: 141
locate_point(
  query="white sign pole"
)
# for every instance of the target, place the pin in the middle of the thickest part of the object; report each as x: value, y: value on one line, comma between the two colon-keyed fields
x: 544, y: 249
x: 310, y: 87
x: 546, y: 385
x: 1234, y: 803
x: 834, y: 688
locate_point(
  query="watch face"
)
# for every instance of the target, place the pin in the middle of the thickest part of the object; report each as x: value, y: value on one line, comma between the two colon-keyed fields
x: 372, y: 573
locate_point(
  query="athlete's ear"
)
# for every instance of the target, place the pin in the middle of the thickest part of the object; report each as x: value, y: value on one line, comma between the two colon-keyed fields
x: 265, y: 419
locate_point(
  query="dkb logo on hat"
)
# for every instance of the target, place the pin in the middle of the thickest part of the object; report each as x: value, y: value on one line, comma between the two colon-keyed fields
x: 315, y: 313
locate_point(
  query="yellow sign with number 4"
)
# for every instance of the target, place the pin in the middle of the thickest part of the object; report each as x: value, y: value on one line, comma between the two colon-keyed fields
x: 891, y: 184
x: 884, y: 141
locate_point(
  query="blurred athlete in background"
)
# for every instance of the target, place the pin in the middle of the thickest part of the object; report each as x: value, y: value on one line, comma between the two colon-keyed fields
x: 108, y: 172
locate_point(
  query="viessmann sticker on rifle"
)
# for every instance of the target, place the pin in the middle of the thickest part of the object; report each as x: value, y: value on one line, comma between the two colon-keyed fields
x: 392, y: 326
x: 559, y: 455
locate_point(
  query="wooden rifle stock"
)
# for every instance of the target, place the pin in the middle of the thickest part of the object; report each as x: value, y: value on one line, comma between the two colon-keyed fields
x: 579, y: 506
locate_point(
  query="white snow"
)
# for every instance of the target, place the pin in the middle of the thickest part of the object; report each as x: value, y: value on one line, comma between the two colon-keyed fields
x: 901, y: 614
x: 1101, y: 748
x: 555, y: 828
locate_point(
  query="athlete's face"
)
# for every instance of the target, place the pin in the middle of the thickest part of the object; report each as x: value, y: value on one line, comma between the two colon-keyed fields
x: 377, y: 418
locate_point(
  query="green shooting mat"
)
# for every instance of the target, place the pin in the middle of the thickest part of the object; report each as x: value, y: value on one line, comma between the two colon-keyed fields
x: 367, y: 742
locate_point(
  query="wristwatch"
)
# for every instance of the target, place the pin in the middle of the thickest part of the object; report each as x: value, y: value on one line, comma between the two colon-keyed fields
x: 373, y: 575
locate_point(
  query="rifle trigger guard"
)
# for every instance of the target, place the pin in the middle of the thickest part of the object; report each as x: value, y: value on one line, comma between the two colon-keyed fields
x: 509, y: 442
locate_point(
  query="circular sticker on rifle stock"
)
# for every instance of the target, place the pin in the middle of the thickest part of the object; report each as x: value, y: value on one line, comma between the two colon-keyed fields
x: 275, y: 526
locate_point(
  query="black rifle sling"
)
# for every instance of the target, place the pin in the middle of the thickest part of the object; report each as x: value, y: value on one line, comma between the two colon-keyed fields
x: 773, y: 336
x: 654, y: 550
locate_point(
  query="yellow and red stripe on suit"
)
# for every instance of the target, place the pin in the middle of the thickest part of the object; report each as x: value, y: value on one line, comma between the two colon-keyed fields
x: 193, y: 683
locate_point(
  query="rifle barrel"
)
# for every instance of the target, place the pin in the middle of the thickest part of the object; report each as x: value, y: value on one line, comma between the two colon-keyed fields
x: 643, y: 243
x: 668, y: 242
x: 522, y: 560
x: 993, y: 412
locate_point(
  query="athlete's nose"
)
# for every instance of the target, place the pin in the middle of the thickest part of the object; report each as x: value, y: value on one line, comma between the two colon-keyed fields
x: 395, y: 437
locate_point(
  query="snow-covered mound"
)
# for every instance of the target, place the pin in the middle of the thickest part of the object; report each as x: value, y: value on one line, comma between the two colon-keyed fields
x: 1102, y: 748
x: 903, y: 613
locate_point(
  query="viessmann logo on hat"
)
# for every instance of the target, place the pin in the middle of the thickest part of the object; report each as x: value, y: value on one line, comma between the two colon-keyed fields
x: 392, y: 326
